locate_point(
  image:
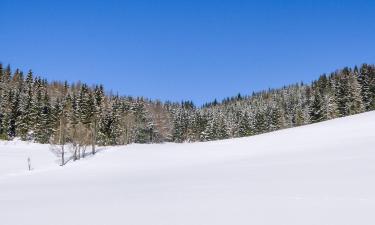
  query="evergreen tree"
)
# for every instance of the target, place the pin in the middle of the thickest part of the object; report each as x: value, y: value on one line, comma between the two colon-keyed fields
x: 341, y: 84
x: 7, y: 120
x: 210, y: 133
x: 178, y: 126
x: 26, y: 102
x: 2, y: 136
x: 222, y: 128
x: 86, y: 106
x: 355, y: 99
x: 260, y: 124
x: 365, y: 81
x: 316, y: 108
x: 244, y: 125
x: 144, y: 129
x: 37, y: 112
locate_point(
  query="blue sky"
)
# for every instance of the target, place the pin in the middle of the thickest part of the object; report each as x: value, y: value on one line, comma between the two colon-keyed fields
x: 191, y: 50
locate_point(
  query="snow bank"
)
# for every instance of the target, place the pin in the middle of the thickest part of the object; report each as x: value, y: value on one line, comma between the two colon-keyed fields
x: 14, y: 156
x: 317, y: 174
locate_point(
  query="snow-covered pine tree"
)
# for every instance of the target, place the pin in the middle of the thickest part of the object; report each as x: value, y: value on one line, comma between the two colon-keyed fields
x: 364, y: 79
x: 341, y: 84
x: 24, y: 123
x: 222, y: 128
x: 97, y: 113
x: 355, y: 100
x: 144, y: 126
x: 245, y: 127
x: 41, y: 113
x: 316, y: 107
x: 178, y: 125
x: 6, y: 105
x: 1, y: 102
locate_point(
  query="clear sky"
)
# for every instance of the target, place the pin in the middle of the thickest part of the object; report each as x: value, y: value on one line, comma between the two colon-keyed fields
x: 193, y: 50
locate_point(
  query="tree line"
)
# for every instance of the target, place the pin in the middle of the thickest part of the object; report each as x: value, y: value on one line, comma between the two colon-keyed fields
x: 31, y: 108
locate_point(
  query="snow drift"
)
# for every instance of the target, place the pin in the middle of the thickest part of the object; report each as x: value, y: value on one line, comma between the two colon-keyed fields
x: 316, y: 174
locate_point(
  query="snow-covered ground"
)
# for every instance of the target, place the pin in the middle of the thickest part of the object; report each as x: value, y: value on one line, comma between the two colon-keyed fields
x: 14, y: 157
x: 321, y: 174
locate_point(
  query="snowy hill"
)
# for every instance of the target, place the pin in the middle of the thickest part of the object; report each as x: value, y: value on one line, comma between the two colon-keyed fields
x: 317, y: 174
x: 14, y: 155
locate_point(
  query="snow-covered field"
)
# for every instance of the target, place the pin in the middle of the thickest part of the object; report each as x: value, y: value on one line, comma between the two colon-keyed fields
x: 321, y: 174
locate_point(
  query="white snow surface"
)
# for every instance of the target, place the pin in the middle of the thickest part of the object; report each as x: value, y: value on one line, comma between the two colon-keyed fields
x: 320, y: 174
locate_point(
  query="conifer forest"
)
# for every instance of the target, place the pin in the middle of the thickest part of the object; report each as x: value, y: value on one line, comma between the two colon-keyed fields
x: 34, y: 109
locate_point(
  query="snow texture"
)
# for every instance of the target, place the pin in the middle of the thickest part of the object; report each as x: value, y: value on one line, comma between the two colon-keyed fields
x: 320, y: 174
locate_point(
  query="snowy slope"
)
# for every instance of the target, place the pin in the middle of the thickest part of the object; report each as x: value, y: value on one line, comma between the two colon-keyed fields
x: 321, y: 174
x: 14, y: 155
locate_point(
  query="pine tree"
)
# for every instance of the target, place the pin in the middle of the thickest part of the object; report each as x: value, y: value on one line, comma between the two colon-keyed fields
x: 275, y: 118
x: 37, y: 113
x: 47, y: 120
x: 330, y: 108
x: 371, y: 75
x: 341, y: 85
x: 364, y: 79
x: 6, y: 99
x: 178, y: 126
x: 316, y: 108
x: 7, y: 121
x: 114, y: 118
x: 2, y: 136
x: 144, y: 129
x: 210, y: 132
x: 355, y: 100
x: 86, y: 106
x: 260, y: 124
x: 97, y: 112
x: 24, y: 124
x: 222, y: 129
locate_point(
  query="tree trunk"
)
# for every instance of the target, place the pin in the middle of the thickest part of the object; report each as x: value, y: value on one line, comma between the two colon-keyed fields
x: 62, y: 155
x: 75, y: 153
x: 126, y: 136
x: 93, y: 139
x: 62, y: 141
